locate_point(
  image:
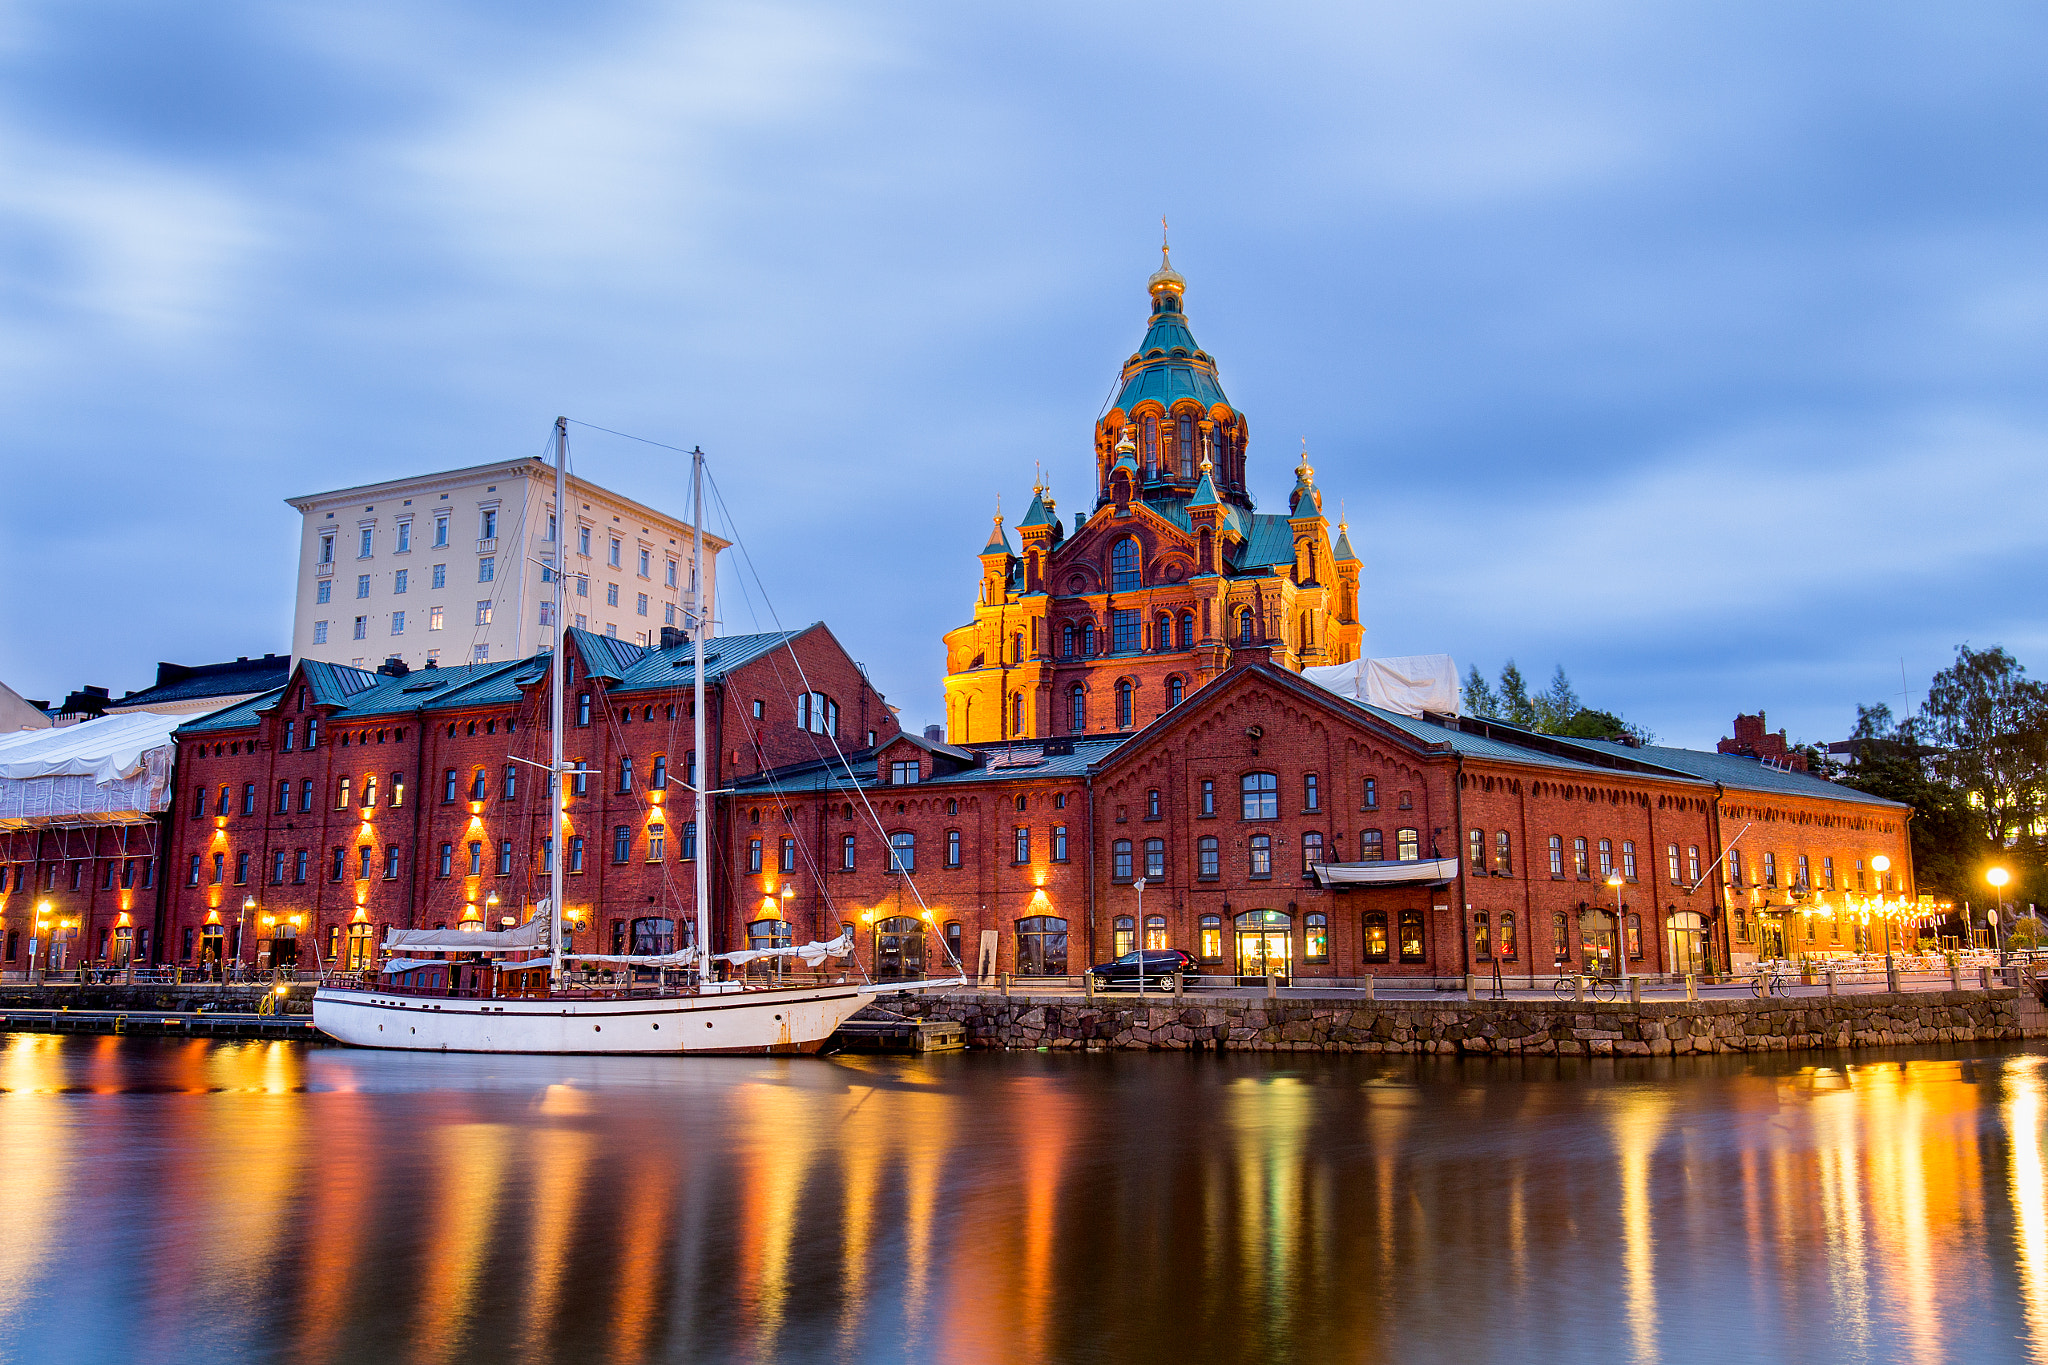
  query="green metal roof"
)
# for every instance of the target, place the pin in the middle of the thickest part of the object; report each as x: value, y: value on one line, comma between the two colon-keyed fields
x: 237, y: 717
x: 1342, y: 550
x: 1733, y: 771
x: 334, y: 684
x: 1170, y: 365
x: 1037, y: 515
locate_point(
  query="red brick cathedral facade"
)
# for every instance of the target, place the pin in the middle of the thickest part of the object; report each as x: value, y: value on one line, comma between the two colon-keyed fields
x: 1171, y: 579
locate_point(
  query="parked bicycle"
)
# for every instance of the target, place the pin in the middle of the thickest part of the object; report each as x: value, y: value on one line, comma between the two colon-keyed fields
x: 1597, y: 987
x: 1769, y: 981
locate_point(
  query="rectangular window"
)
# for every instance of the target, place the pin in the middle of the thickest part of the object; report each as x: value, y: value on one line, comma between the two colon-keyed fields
x: 575, y: 853
x: 1262, y: 855
x: 1692, y: 863
x: 1581, y: 865
x: 1735, y: 867
x: 1805, y: 874
x: 1827, y: 873
x: 1311, y: 793
x: 504, y: 859
x: 319, y: 632
x: 440, y: 575
x: 440, y: 530
x: 583, y: 541
x: 487, y: 524
x: 398, y: 623
x: 399, y: 580
x: 1372, y: 846
x: 362, y: 586
x: 1372, y: 795
x: 1503, y: 852
x: 323, y: 592
x: 277, y: 864
x: 1476, y: 850
x: 656, y: 842
x: 1120, y: 860
x: 903, y: 773
x: 1671, y: 862
x: 1628, y: 859
x: 1021, y: 836
x: 483, y: 613
x: 404, y: 536
x: 391, y: 862
x: 447, y: 860
x: 487, y: 569
x: 613, y: 557
x: 1606, y: 859
x: 337, y: 864
x: 788, y: 852
x: 671, y: 578
x: 241, y: 870
x: 1770, y: 869
x: 688, y: 852
x: 1482, y: 938
x: 476, y: 858
x: 1123, y: 631
x: 284, y: 797
x: 1059, y: 843
x: 642, y: 607
x: 645, y: 565
x: 362, y: 628
x: 1208, y: 858
x: 952, y: 848
x: 1208, y: 796
x: 366, y: 542
x: 301, y: 862
x: 611, y: 594
x: 306, y: 791
x: 753, y: 855
x: 1155, y: 860
x: 846, y: 853
x: 327, y: 548
x: 1407, y: 845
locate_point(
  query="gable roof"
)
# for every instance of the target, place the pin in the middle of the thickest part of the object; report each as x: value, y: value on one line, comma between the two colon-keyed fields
x: 1734, y: 771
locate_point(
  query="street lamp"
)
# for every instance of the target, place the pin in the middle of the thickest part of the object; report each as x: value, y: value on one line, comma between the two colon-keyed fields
x: 248, y: 911
x: 1620, y: 943
x: 42, y: 938
x: 1998, y: 877
x: 1881, y: 865
x: 1138, y: 933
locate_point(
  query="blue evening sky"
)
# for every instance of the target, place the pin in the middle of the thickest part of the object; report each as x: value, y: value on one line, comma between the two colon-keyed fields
x: 1699, y: 348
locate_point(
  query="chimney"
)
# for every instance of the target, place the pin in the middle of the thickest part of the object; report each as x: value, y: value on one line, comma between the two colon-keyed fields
x: 672, y: 637
x: 935, y: 733
x: 393, y: 667
x: 433, y: 663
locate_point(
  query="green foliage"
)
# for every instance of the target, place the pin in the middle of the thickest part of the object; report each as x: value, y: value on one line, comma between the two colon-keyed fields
x: 1989, y: 724
x: 1949, y: 844
x: 1558, y: 711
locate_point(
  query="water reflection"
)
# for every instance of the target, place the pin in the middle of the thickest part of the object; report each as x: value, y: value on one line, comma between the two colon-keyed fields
x: 192, y: 1200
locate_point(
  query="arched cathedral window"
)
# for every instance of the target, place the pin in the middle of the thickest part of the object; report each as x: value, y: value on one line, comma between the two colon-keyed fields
x: 1244, y: 626
x: 1077, y: 709
x: 1184, y: 445
x: 1123, y: 565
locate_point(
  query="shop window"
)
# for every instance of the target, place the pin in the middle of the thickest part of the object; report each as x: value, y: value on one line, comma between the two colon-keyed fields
x: 1316, y: 937
x: 1209, y: 937
x: 1411, y: 936
x: 1375, y: 936
x: 1042, y: 946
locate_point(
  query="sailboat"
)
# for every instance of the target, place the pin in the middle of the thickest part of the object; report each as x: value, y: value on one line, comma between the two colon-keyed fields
x: 473, y: 995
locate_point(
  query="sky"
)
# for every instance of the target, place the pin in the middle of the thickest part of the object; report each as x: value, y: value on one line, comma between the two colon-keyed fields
x: 1696, y: 348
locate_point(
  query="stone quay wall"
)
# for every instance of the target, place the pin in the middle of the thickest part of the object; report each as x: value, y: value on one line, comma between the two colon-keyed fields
x: 1480, y: 1027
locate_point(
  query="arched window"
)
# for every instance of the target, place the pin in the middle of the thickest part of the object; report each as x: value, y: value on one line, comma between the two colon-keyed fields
x: 903, y: 852
x: 1311, y: 851
x: 1187, y: 630
x: 1151, y: 446
x: 1162, y: 633
x: 1120, y: 860
x: 1067, y: 641
x: 1372, y: 846
x: 1261, y: 796
x: 1407, y: 845
x: 1017, y: 714
x: 1376, y: 936
x: 1505, y: 946
x: 1126, y: 935
x: 1042, y: 946
x: 899, y: 948
x: 1184, y: 445
x: 1123, y: 565
x: 1632, y: 934
x: 1088, y: 639
x: 1176, y: 690
x: 1411, y: 936
x: 1482, y: 937
x: 1315, y: 937
x: 1077, y: 709
x: 1560, y: 938
x: 1123, y: 704
x: 655, y: 936
x: 1209, y: 937
x: 1262, y: 855
x: 1155, y: 932
x: 1244, y: 626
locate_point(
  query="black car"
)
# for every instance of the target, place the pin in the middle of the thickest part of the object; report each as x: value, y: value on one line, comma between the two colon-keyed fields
x: 1159, y: 966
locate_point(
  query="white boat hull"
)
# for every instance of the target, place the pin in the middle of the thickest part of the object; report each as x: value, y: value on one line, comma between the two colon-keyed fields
x: 784, y: 1019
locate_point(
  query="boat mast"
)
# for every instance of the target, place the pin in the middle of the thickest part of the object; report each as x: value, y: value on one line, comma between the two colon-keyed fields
x: 557, y: 789
x: 700, y: 622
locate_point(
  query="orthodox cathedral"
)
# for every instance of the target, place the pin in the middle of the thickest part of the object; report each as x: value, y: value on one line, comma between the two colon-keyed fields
x: 1167, y: 582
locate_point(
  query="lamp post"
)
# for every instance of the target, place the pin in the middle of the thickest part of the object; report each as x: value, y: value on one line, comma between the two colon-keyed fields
x: 1881, y: 865
x: 1620, y: 939
x: 1998, y: 877
x: 788, y: 894
x: 248, y: 911
x: 41, y: 942
x: 1138, y: 934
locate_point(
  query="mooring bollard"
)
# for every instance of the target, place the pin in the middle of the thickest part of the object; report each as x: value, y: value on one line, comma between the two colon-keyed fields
x: 1692, y: 989
x: 1635, y: 990
x: 1176, y: 985
x: 1471, y: 986
x: 1984, y: 978
x: 1955, y: 976
x: 1579, y: 989
x: 1088, y: 985
x: 1891, y: 976
x: 1272, y: 986
x: 1006, y: 985
x: 1831, y: 981
x: 1370, y: 993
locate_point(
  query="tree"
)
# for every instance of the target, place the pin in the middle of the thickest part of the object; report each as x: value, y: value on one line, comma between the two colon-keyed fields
x: 1558, y: 704
x: 1480, y: 699
x: 1515, y: 706
x: 1949, y: 847
x: 1989, y: 724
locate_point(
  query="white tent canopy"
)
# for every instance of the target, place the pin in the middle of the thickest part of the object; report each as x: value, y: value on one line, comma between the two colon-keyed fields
x: 1407, y: 686
x: 116, y: 769
x: 530, y: 935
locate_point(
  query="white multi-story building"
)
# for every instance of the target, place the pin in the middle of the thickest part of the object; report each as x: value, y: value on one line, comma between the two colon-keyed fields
x: 457, y: 567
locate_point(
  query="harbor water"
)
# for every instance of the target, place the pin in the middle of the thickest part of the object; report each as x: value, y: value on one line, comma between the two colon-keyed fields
x: 210, y: 1201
